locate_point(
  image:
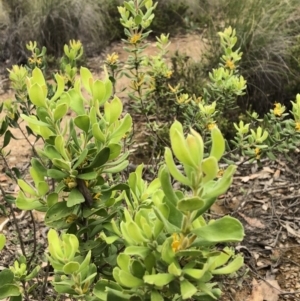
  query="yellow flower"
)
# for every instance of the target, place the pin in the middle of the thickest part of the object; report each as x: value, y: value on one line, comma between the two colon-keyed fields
x: 134, y: 85
x: 181, y: 242
x: 135, y: 38
x: 257, y: 153
x: 70, y: 182
x: 197, y: 100
x: 96, y: 196
x: 112, y: 58
x: 279, y: 109
x: 168, y: 74
x: 211, y: 126
x: 220, y: 173
x: 35, y: 60
x: 71, y: 218
x: 174, y: 89
x: 76, y: 45
x: 177, y: 242
x: 183, y: 98
x: 297, y: 126
x: 230, y: 64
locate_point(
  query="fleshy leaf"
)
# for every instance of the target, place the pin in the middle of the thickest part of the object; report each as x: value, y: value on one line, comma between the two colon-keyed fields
x: 158, y: 279
x: 75, y: 197
x: 225, y: 229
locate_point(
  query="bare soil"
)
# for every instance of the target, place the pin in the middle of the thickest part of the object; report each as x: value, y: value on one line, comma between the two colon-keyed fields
x: 265, y: 198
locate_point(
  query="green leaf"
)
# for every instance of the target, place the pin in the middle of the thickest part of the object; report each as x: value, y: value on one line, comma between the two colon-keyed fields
x: 81, y: 158
x: 83, y: 122
x: 195, y: 273
x: 42, y: 188
x: 6, y: 277
x: 86, y: 76
x: 114, y: 295
x: 230, y: 268
x: 156, y: 296
x: 128, y: 280
x: 51, y: 152
x: 34, y: 120
x: 167, y: 254
x: 137, y: 250
x: 17, y: 298
x: 219, y: 187
x: 93, y: 116
x: 137, y: 269
x: 123, y: 128
x: 42, y: 114
x: 58, y: 212
x: 135, y: 232
x: 2, y: 241
x: 60, y: 111
x: 62, y: 164
x: 59, y: 88
x: 64, y: 287
x: 113, y: 110
x: 138, y: 19
x: 97, y: 133
x: 218, y: 144
x: 115, y: 150
x: 7, y: 137
x: 77, y: 102
x: 71, y: 267
x: 52, y: 199
x: 179, y: 145
x: 56, y: 174
x: 9, y: 290
x: 60, y: 147
x: 88, y: 176
x: 158, y: 279
x: 38, y: 77
x: 102, y: 286
x: 206, y: 289
x: 167, y: 186
x: 75, y: 197
x: 33, y: 273
x: 225, y: 229
x: 177, y: 175
x: 174, y: 269
x: 100, y: 159
x: 37, y: 165
x: 26, y: 187
x: 189, y: 253
x: 190, y: 204
x: 170, y: 228
x: 25, y: 203
x: 123, y: 261
x: 108, y: 88
x: 117, y: 168
x: 210, y: 168
x: 99, y: 91
x: 187, y: 289
x: 37, y: 96
x: 37, y: 177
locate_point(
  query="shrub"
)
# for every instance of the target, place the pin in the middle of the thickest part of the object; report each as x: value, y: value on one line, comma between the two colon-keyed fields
x: 121, y: 239
x: 113, y: 235
x: 266, y: 31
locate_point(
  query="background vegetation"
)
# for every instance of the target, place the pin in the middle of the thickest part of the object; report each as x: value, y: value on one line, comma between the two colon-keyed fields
x: 267, y: 31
